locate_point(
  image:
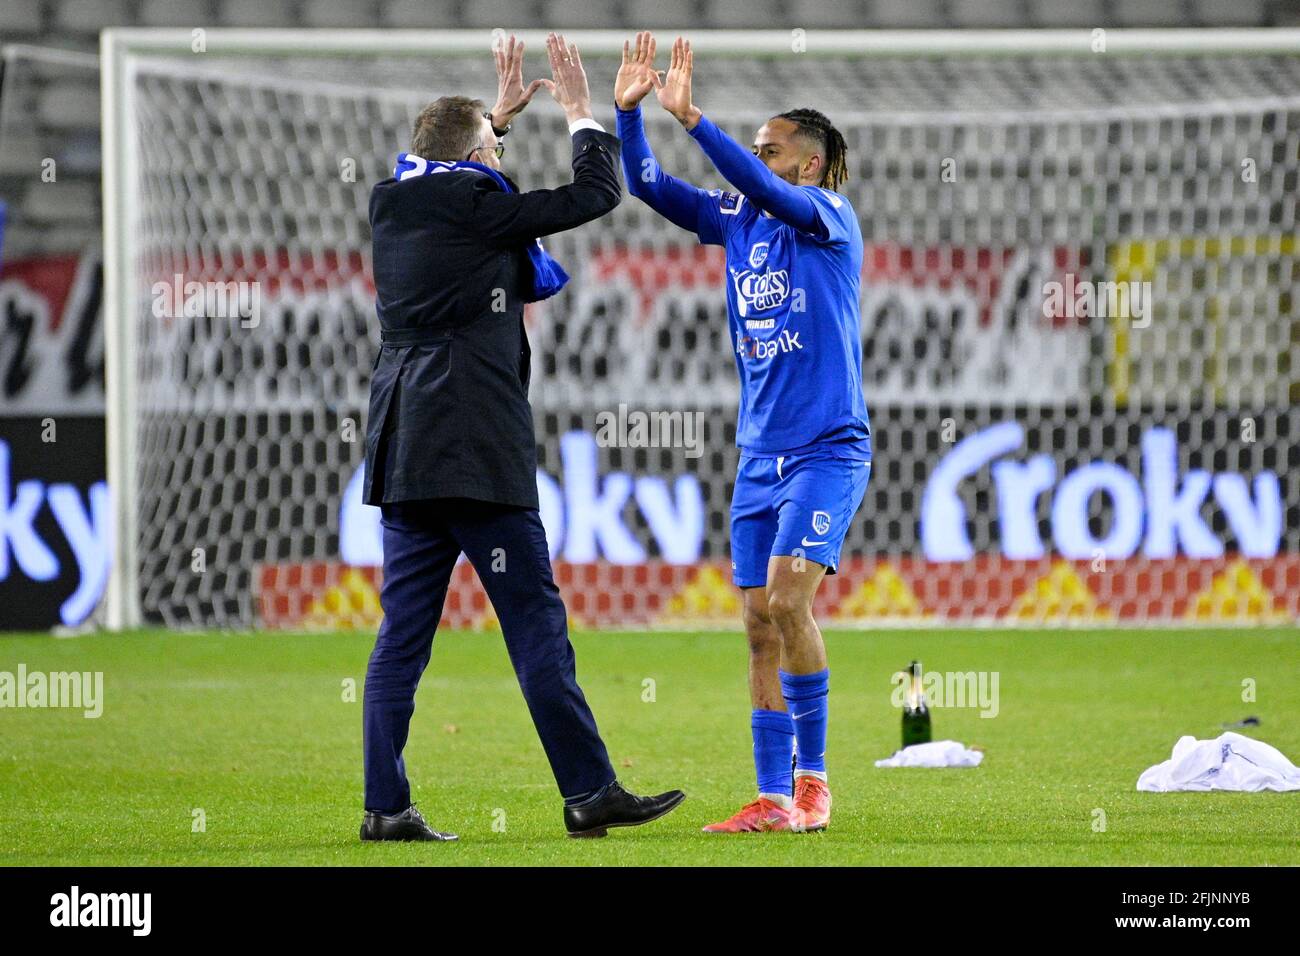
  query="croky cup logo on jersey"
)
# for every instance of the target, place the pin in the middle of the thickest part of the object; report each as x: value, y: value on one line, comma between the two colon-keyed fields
x: 759, y: 291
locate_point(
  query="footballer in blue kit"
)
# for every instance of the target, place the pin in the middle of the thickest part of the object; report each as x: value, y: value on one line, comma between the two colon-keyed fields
x: 794, y: 261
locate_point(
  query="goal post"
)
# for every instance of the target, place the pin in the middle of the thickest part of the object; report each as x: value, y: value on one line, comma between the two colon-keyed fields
x: 1080, y: 325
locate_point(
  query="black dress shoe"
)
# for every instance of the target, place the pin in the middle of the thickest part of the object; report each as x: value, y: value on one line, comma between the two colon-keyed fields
x: 407, y: 825
x: 615, y: 807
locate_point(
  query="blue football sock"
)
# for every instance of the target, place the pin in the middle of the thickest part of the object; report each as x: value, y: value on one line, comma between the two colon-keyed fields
x: 773, y: 745
x: 805, y: 696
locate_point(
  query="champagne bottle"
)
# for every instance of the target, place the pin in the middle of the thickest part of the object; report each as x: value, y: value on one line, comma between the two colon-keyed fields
x: 916, y: 715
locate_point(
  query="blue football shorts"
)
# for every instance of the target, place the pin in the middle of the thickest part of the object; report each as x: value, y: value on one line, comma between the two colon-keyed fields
x: 798, y: 505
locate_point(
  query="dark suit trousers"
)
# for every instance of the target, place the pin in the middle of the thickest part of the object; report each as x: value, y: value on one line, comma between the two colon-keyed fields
x: 422, y: 540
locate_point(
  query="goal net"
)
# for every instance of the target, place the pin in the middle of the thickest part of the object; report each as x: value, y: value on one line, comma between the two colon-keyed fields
x: 1080, y: 327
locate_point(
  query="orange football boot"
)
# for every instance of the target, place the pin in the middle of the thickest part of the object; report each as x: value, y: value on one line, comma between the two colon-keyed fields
x: 812, y: 805
x: 761, y: 816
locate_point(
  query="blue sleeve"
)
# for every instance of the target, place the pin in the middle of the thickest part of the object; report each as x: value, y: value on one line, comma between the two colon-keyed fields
x: 817, y: 212
x: 699, y: 210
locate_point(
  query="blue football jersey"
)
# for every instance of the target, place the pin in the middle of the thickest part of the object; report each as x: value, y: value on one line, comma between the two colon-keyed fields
x: 792, y: 301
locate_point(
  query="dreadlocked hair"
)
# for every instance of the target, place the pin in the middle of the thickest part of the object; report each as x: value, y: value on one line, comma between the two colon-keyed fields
x: 816, y: 127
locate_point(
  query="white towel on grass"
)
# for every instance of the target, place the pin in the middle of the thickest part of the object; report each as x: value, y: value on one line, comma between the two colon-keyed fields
x: 938, y: 753
x: 1229, y: 762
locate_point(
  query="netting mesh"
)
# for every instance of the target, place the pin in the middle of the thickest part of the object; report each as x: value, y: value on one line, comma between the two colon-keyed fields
x: 1039, y: 453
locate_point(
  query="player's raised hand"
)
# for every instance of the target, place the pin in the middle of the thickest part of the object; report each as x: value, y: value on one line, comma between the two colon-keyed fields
x: 569, y: 83
x: 674, y: 90
x: 511, y: 95
x: 636, y: 75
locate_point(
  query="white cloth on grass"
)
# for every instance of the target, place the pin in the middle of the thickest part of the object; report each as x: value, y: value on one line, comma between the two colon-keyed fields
x: 1229, y: 762
x: 937, y: 753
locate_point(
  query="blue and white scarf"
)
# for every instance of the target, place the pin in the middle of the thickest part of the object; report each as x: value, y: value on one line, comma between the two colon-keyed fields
x: 549, y: 276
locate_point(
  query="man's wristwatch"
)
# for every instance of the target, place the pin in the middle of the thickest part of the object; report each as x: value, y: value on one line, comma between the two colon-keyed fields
x: 495, y: 129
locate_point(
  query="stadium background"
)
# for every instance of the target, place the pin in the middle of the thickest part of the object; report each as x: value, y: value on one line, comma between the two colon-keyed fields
x: 1108, y: 169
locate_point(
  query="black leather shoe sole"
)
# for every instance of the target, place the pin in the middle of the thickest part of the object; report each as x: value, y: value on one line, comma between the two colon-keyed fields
x: 603, y: 829
x: 410, y: 838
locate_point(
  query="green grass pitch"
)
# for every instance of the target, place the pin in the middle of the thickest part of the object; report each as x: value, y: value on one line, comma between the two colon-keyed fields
x: 254, y: 731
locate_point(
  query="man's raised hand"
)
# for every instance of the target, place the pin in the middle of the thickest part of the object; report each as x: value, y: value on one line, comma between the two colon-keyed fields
x: 569, y: 83
x: 511, y: 95
x: 636, y: 75
x: 674, y: 91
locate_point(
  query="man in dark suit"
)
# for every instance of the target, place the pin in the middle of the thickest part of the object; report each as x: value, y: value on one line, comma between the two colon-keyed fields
x: 451, y: 458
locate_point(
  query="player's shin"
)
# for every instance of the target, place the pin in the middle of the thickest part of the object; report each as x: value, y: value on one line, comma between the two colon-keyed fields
x: 806, y: 699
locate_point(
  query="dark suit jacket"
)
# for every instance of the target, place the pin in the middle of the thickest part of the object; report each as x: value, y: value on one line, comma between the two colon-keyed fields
x: 449, y: 412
